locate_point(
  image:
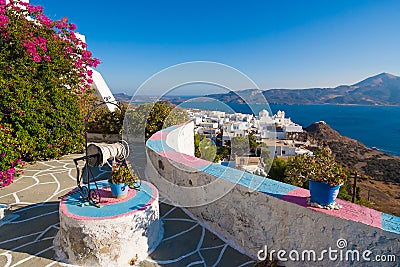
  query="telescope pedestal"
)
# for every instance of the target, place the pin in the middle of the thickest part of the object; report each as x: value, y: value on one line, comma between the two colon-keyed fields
x: 119, y: 233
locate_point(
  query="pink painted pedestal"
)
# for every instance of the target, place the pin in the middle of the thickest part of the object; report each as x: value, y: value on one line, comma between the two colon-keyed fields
x: 121, y: 232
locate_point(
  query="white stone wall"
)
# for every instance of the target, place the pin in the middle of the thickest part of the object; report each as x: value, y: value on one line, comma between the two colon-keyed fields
x: 182, y: 139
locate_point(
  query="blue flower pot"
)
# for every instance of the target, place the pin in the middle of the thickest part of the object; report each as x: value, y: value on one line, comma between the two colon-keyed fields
x: 119, y: 190
x: 323, y: 193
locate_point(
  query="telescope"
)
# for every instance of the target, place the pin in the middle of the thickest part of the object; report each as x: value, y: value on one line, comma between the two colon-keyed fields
x: 98, y: 154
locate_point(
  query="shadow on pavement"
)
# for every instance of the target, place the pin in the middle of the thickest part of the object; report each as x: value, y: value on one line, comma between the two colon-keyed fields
x: 30, y: 229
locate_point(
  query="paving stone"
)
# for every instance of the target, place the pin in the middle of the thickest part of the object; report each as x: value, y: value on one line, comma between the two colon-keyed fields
x: 232, y: 257
x: 174, y: 226
x: 37, y: 223
x: 178, y: 246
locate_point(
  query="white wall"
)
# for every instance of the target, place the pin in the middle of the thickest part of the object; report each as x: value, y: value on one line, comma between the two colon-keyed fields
x: 182, y: 139
x: 250, y: 220
x: 102, y: 89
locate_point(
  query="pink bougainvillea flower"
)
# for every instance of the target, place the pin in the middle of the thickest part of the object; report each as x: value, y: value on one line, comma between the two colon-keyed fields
x: 72, y: 27
x: 5, y: 35
x: 37, y: 58
x: 3, y: 21
x: 78, y: 63
x: 69, y: 50
x: 96, y: 62
x: 42, y: 43
x: 30, y: 47
x: 32, y: 9
x: 86, y: 55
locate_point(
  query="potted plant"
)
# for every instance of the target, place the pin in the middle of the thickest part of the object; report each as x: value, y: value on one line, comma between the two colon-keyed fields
x: 324, y: 176
x: 122, y: 177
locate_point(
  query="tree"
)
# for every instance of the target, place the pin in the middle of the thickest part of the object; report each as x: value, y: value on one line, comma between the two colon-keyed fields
x: 239, y: 146
x: 252, y: 143
x: 147, y: 119
x: 44, y: 70
x: 277, y: 171
x: 223, y: 152
x: 99, y: 118
x: 197, y: 139
x: 207, y: 149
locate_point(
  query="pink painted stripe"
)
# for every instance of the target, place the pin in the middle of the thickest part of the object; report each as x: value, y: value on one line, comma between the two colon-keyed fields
x: 355, y: 212
x: 64, y: 209
x: 350, y: 211
x: 298, y: 196
x: 184, y: 159
x: 107, y: 197
x: 159, y: 136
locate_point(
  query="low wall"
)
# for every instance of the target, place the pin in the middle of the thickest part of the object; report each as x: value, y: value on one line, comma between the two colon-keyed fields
x: 253, y: 213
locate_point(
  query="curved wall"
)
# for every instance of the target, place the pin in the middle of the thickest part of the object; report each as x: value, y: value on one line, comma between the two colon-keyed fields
x: 253, y: 212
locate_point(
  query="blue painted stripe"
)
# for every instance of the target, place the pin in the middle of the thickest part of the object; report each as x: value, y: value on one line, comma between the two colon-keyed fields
x: 171, y: 128
x: 267, y: 186
x: 140, y: 200
x: 391, y: 223
x: 251, y: 181
x: 158, y: 146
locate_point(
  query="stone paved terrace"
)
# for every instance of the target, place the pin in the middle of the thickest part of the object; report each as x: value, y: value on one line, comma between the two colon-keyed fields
x: 27, y: 233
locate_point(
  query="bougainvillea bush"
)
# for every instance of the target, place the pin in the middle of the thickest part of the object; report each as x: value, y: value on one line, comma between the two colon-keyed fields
x: 44, y: 71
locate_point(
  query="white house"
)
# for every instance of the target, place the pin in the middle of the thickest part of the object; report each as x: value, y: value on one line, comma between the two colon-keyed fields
x: 276, y: 126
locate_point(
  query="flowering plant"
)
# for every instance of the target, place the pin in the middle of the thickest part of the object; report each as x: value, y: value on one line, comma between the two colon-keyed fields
x: 44, y: 71
x: 320, y: 168
x: 9, y: 158
x: 122, y: 173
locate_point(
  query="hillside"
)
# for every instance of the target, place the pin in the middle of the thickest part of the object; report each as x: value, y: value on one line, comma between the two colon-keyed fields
x: 382, y: 89
x: 383, y: 171
x: 352, y: 153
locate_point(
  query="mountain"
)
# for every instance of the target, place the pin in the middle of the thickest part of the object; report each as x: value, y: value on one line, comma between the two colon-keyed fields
x: 382, y: 89
x: 122, y: 97
x: 249, y: 96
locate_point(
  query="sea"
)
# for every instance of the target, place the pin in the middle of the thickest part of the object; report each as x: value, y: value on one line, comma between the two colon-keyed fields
x: 377, y: 127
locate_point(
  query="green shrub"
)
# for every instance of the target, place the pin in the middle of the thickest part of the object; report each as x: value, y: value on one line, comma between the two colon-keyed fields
x: 106, y: 122
x: 208, y: 149
x: 146, y: 119
x: 43, y: 72
x: 277, y: 171
x: 9, y: 156
x: 321, y: 167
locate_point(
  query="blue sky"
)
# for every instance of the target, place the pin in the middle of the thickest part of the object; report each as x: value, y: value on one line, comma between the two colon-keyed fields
x: 279, y: 44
